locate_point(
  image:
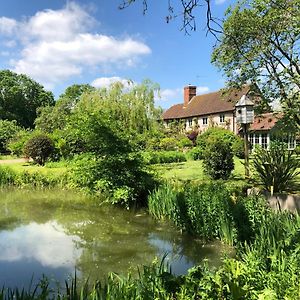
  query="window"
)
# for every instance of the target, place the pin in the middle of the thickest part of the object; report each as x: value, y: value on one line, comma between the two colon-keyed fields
x: 291, y: 142
x: 264, y: 140
x: 251, y: 139
x: 190, y: 122
x: 256, y: 139
x: 204, y: 121
x: 222, y: 118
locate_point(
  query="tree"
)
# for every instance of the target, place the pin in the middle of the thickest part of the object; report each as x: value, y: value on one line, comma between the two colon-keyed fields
x: 20, y: 97
x: 261, y: 45
x: 111, y: 164
x: 186, y: 11
x: 39, y: 148
x: 55, y: 117
x: 8, y: 129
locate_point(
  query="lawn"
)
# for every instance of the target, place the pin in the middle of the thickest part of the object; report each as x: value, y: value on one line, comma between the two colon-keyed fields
x: 193, y: 170
x: 31, y: 168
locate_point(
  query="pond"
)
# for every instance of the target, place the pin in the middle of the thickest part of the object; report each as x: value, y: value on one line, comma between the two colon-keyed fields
x: 57, y: 232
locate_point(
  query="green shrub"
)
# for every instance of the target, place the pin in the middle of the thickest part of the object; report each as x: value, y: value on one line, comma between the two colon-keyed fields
x: 218, y: 158
x: 297, y: 150
x: 195, y: 153
x: 168, y: 144
x: 120, y: 179
x: 216, y: 133
x: 184, y: 142
x: 16, y: 144
x: 276, y: 167
x: 7, y: 176
x: 8, y: 129
x: 163, y: 157
x: 238, y: 147
x: 39, y: 148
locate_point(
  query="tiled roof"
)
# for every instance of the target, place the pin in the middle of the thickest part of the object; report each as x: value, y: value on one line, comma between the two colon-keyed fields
x: 264, y: 122
x: 205, y: 104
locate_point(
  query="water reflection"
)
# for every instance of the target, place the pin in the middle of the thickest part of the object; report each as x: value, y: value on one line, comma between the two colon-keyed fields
x: 46, y: 244
x: 39, y: 234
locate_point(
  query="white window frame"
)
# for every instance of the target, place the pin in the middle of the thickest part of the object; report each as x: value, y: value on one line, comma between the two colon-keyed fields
x: 222, y: 118
x: 205, y: 121
x: 265, y: 140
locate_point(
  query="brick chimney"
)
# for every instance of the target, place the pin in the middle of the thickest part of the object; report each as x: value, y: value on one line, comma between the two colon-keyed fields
x: 189, y: 93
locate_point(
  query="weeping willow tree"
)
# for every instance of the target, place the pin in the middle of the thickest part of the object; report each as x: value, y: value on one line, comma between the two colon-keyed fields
x: 130, y: 109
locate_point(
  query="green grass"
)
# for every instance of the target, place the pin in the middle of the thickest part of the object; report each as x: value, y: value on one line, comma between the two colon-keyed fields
x: 3, y: 157
x: 31, y: 168
x: 193, y: 170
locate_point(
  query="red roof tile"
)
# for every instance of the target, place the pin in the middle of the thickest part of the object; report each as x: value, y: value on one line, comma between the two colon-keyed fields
x: 205, y: 104
x: 264, y: 122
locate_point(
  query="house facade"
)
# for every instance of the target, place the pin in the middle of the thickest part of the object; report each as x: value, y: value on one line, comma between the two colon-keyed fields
x: 199, y: 112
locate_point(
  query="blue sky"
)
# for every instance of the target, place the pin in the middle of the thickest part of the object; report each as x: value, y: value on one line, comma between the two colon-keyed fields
x: 59, y: 43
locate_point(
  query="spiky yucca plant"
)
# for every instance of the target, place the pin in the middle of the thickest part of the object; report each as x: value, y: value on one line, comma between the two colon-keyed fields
x: 277, y: 167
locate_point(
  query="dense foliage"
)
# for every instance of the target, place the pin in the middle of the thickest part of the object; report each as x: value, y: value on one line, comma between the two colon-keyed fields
x: 235, y: 141
x: 276, y: 167
x: 163, y: 157
x: 260, y: 45
x: 39, y: 148
x: 8, y: 129
x: 203, y: 210
x: 55, y: 117
x: 21, y: 97
x: 218, y: 158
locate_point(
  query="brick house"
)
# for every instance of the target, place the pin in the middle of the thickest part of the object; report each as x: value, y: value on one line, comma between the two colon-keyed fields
x: 198, y: 112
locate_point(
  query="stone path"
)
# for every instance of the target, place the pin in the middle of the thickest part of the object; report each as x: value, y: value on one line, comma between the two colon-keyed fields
x: 11, y: 161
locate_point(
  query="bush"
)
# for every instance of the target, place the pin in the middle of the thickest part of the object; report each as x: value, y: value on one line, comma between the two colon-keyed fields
x: 168, y: 144
x: 163, y: 157
x: 16, y: 144
x: 216, y: 133
x: 39, y: 148
x: 119, y: 179
x: 238, y: 147
x: 8, y: 129
x: 276, y: 167
x: 184, y: 142
x: 218, y: 159
x: 196, y: 153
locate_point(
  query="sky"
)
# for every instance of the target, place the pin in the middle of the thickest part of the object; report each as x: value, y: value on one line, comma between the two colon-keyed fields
x: 62, y: 42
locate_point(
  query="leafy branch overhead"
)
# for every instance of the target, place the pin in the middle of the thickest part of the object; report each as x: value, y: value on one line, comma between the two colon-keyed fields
x: 186, y: 11
x: 261, y: 44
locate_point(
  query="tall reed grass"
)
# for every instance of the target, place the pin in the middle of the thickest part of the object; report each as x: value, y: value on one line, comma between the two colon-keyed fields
x: 203, y: 210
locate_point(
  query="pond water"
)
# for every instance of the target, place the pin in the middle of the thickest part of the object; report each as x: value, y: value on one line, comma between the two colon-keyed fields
x: 57, y: 232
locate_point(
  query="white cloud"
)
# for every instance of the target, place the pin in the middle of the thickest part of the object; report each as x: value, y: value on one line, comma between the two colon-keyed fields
x: 45, y: 243
x: 58, y: 44
x: 218, y: 2
x: 202, y: 90
x: 7, y: 26
x: 168, y: 97
x: 107, y: 81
